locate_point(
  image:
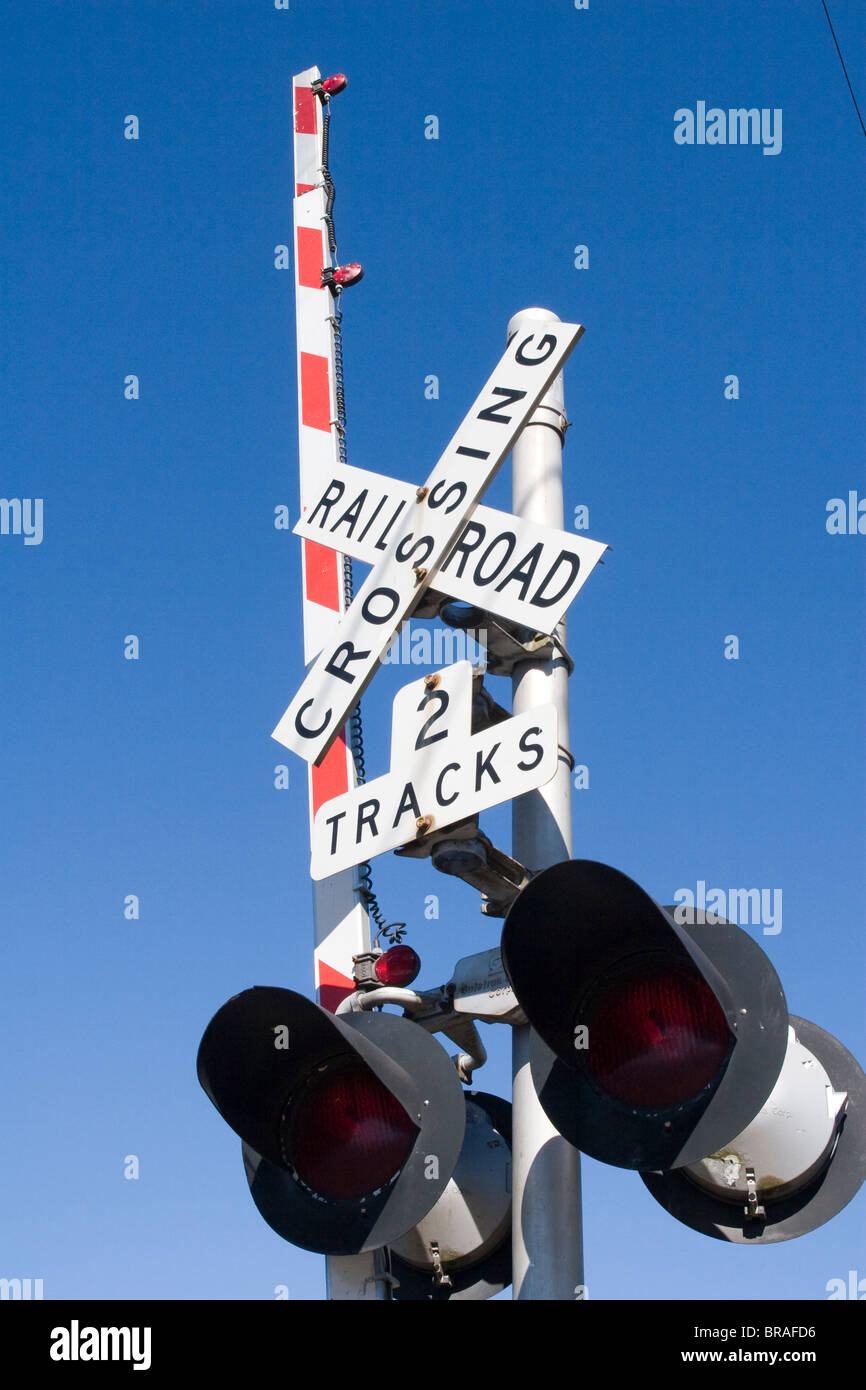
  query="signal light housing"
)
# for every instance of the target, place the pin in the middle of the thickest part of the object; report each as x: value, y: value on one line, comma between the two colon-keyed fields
x: 462, y: 1247
x: 656, y: 1041
x: 795, y: 1166
x: 352, y: 1125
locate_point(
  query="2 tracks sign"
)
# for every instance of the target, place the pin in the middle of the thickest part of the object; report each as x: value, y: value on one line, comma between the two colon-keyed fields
x: 440, y: 772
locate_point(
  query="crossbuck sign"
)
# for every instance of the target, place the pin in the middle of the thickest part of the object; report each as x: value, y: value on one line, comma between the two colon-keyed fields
x: 339, y: 675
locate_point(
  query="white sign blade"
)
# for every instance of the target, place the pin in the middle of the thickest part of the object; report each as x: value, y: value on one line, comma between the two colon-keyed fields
x: 337, y: 678
x: 517, y: 569
x: 441, y: 772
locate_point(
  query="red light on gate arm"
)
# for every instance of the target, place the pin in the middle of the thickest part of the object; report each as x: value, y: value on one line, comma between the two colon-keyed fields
x: 335, y: 84
x: 348, y: 274
x: 657, y: 1036
x: 398, y: 966
x: 347, y: 1135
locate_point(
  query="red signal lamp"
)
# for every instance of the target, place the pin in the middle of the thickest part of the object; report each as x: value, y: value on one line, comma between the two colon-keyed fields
x: 660, y: 1036
x: 348, y: 274
x: 335, y: 84
x: 347, y: 1135
x: 398, y: 966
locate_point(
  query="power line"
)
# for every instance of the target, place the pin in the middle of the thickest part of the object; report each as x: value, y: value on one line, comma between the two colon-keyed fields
x: 844, y: 69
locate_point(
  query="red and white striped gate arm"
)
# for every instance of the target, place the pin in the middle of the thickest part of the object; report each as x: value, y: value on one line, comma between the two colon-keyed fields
x: 342, y: 927
x: 341, y: 923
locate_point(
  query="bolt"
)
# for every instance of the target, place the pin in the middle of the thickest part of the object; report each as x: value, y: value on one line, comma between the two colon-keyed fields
x: 423, y: 824
x: 432, y: 680
x: 421, y: 493
x: 419, y: 572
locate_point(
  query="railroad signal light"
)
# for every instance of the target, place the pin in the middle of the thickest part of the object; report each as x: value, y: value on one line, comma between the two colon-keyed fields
x: 351, y: 1125
x: 663, y: 1043
x: 656, y: 1041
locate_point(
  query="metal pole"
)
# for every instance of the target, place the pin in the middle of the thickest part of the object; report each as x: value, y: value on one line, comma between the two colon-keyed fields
x: 547, y: 1237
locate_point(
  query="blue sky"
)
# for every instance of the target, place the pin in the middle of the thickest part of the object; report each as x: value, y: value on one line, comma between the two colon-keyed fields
x: 155, y: 776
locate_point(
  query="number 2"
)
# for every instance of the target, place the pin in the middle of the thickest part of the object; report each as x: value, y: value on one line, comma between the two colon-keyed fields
x: 423, y: 740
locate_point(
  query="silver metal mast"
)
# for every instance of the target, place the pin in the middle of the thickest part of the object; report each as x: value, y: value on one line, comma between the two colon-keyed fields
x: 547, y: 1239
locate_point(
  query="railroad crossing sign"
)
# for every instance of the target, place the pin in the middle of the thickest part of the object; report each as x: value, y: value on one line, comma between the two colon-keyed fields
x: 440, y: 772
x: 526, y: 573
x: 339, y: 675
